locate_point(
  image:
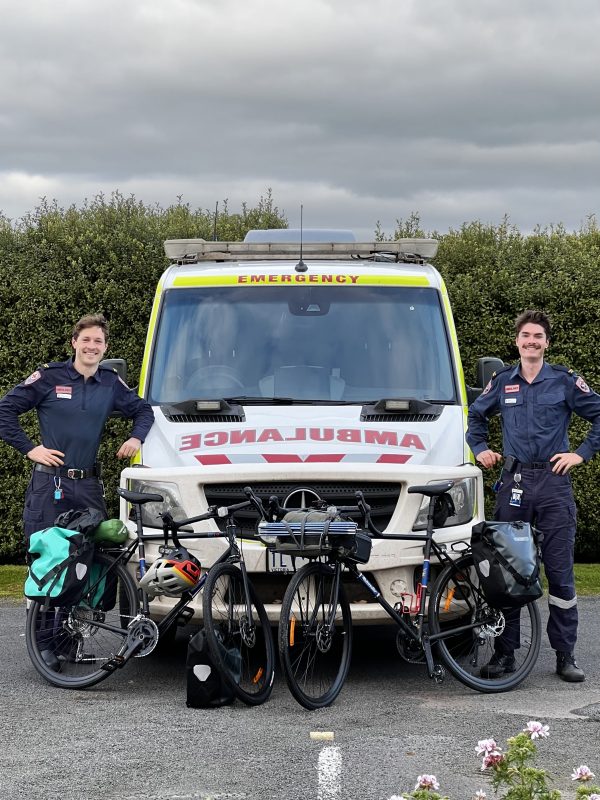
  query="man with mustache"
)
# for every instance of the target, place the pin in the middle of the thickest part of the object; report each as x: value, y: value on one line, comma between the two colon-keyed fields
x: 536, y: 400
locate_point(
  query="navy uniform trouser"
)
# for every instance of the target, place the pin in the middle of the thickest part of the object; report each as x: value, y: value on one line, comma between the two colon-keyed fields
x: 41, y: 509
x: 548, y: 503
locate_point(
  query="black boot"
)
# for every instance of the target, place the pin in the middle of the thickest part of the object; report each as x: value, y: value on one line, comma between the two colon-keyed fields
x: 567, y: 669
x: 499, y: 664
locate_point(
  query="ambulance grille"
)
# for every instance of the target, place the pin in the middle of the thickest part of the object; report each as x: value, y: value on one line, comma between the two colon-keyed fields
x: 398, y: 417
x: 211, y: 419
x: 382, y: 497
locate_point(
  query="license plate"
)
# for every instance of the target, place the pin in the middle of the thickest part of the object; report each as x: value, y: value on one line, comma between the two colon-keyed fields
x: 282, y: 563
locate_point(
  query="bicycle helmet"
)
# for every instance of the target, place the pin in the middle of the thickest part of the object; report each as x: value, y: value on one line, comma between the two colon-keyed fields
x: 171, y: 574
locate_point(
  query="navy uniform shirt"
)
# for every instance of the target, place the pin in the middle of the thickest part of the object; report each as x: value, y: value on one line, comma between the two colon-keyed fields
x: 535, y: 416
x: 72, y: 411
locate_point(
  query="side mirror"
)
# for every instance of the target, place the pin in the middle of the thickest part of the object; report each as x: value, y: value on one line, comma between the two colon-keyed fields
x: 118, y: 364
x: 486, y: 368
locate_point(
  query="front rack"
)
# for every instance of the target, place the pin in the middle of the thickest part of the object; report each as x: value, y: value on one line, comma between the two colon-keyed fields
x: 341, y: 538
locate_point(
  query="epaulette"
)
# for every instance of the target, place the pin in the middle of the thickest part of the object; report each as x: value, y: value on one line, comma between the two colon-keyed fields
x: 564, y: 369
x: 107, y: 368
x: 501, y: 370
x: 52, y: 365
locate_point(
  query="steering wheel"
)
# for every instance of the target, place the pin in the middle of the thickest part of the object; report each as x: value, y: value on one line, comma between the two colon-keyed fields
x: 215, y: 375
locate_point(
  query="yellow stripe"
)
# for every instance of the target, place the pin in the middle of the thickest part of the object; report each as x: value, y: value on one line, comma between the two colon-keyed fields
x: 150, y: 334
x: 300, y: 279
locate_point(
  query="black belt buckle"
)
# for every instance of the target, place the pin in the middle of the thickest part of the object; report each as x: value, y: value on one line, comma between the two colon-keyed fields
x: 75, y: 474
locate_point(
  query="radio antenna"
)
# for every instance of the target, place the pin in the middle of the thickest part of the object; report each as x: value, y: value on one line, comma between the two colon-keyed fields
x: 215, y: 238
x: 301, y: 266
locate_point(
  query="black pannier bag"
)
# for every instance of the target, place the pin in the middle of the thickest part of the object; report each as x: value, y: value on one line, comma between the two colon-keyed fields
x: 205, y: 687
x: 507, y: 561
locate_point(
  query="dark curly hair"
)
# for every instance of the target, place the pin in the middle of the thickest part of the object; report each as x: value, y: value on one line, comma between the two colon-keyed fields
x: 534, y: 317
x: 91, y: 321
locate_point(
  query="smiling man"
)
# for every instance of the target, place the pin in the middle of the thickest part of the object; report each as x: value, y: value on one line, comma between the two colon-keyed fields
x: 73, y: 400
x: 536, y: 401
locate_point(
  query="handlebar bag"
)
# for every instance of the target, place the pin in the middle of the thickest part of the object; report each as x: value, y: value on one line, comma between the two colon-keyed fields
x: 507, y: 562
x: 59, y: 566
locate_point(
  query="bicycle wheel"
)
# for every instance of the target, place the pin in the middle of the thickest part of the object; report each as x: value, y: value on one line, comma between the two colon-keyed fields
x: 69, y: 644
x: 241, y: 648
x: 315, y: 657
x: 471, y: 627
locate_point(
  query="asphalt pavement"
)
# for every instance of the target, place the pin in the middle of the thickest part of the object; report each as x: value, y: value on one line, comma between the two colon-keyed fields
x: 133, y: 738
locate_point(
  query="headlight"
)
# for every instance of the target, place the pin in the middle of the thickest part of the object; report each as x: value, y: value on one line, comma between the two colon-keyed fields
x: 463, y: 495
x: 151, y: 511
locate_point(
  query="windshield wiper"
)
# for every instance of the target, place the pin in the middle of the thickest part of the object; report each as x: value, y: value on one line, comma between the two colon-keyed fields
x: 289, y: 401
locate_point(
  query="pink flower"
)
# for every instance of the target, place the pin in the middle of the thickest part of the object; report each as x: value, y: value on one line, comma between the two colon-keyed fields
x: 427, y: 782
x: 486, y: 746
x: 491, y: 759
x: 582, y: 773
x: 536, y: 730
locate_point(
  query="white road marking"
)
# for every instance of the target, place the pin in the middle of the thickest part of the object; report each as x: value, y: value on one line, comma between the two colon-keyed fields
x: 330, y: 773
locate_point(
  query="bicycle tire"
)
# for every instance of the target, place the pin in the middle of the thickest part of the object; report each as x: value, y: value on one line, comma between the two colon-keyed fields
x: 456, y: 600
x: 244, y: 657
x: 314, y: 661
x: 66, y: 645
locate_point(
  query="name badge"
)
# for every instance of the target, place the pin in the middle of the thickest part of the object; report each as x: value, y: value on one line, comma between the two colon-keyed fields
x: 64, y: 392
x: 510, y: 401
x: 515, y: 497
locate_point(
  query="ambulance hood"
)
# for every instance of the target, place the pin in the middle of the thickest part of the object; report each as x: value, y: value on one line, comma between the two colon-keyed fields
x: 306, y: 434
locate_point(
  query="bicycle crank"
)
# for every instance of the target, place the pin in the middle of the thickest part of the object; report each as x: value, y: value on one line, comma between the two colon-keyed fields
x: 142, y: 638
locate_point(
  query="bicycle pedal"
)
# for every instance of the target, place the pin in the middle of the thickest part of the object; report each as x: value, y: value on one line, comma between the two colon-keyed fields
x: 114, y: 663
x: 439, y: 673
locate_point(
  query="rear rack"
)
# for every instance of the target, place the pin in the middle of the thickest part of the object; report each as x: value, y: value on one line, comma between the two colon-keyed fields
x: 186, y: 251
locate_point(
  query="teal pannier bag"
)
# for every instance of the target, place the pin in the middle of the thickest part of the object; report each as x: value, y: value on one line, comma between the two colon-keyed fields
x: 59, y: 569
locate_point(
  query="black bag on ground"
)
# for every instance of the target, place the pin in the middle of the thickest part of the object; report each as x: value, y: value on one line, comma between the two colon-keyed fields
x: 205, y: 688
x: 506, y: 558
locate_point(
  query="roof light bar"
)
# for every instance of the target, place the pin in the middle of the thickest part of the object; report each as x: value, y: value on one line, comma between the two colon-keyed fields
x: 191, y: 250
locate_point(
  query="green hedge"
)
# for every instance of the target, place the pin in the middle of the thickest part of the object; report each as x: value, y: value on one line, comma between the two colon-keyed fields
x: 58, y: 264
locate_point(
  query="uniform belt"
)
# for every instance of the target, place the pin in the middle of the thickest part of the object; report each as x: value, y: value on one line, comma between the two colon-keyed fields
x: 534, y: 465
x: 67, y: 472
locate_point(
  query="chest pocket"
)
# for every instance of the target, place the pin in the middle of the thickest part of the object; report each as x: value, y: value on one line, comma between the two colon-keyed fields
x: 513, y: 409
x: 550, y: 407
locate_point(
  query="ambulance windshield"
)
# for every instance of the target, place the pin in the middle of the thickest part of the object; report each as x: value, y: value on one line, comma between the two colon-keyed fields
x: 354, y: 344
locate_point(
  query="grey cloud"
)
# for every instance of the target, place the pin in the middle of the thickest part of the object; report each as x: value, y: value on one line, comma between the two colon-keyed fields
x: 453, y: 109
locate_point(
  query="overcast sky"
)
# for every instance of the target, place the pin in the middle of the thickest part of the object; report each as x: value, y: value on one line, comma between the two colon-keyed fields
x: 361, y: 111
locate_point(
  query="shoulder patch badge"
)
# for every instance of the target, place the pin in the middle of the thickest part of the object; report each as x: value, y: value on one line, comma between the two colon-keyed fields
x: 487, y: 388
x: 581, y: 384
x: 35, y: 376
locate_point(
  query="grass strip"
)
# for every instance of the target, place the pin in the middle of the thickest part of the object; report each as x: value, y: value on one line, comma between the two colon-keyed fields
x: 12, y: 578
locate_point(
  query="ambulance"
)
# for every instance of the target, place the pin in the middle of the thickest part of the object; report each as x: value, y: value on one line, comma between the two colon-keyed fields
x: 308, y: 366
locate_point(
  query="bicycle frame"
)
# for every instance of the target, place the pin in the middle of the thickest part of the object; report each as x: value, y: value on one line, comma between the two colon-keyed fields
x: 419, y: 633
x: 172, y: 531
